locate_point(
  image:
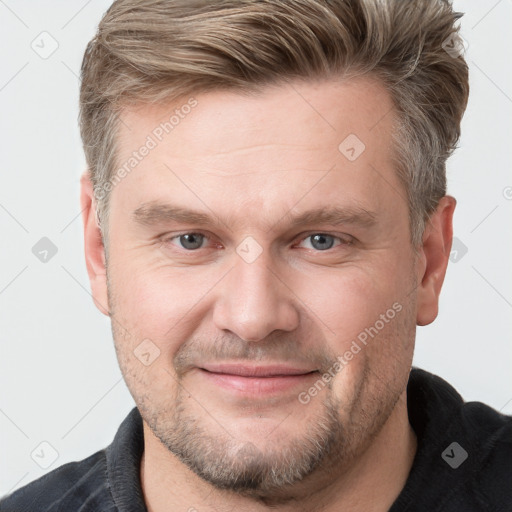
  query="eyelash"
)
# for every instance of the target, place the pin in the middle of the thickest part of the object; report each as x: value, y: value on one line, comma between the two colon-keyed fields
x: 343, y: 242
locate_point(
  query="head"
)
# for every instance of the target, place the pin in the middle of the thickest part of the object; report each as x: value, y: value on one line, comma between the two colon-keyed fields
x: 309, y: 138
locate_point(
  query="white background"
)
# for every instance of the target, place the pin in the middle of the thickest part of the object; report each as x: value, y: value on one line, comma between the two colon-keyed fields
x: 59, y: 378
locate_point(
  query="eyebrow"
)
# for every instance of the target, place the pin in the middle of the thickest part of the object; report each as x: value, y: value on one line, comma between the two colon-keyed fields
x: 155, y: 213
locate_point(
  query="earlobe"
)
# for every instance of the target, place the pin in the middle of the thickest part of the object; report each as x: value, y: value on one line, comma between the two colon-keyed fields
x: 433, y: 260
x: 93, y: 245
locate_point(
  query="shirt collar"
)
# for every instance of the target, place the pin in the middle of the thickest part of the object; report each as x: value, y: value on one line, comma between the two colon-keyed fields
x: 123, y: 464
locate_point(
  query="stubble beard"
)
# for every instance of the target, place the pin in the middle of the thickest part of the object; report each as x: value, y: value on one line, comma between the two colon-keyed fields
x: 270, y: 474
x: 236, y: 465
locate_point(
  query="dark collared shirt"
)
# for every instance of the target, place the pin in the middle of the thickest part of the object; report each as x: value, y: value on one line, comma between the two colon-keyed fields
x: 463, y: 462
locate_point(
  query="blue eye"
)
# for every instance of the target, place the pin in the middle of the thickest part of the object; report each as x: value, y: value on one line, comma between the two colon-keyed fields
x: 323, y: 241
x: 190, y: 241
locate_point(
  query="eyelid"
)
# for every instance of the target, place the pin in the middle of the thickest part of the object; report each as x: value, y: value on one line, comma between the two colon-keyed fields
x: 169, y: 238
x: 344, y: 238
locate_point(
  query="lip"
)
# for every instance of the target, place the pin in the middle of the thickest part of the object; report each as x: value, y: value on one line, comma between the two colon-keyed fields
x: 257, y: 380
x: 268, y: 370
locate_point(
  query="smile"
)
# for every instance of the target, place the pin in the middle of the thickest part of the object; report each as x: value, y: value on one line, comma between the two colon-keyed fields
x: 257, y: 380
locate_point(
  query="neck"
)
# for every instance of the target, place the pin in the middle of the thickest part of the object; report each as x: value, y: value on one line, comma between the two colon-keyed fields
x: 371, y: 483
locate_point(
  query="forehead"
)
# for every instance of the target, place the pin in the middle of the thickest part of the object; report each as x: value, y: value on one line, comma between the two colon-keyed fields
x: 326, y: 109
x: 307, y: 142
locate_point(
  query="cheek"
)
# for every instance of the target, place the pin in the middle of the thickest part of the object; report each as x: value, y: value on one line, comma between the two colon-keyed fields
x: 367, y: 319
x: 160, y: 302
x: 345, y: 301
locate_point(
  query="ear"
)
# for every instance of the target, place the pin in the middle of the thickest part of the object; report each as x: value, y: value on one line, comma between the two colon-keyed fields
x: 93, y: 245
x: 433, y: 260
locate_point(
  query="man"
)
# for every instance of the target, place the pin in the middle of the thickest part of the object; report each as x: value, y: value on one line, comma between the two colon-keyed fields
x: 266, y: 222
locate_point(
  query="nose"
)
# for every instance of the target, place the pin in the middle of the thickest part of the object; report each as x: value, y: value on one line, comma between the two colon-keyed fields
x: 254, y: 300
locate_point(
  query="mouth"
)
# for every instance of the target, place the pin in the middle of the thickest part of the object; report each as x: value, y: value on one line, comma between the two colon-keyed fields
x: 258, y: 380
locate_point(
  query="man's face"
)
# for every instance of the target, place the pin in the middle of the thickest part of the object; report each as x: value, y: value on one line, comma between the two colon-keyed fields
x: 240, y: 317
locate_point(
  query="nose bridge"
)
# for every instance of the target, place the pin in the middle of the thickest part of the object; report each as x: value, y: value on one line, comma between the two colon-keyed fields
x: 253, y: 302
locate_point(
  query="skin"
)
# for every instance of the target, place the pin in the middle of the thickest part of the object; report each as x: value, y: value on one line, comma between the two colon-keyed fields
x: 253, y: 161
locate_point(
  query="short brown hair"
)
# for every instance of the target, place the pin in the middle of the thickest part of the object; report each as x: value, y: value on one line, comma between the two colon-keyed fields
x: 161, y: 50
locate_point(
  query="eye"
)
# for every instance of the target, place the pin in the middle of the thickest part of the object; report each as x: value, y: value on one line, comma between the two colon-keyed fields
x: 189, y: 241
x: 324, y: 241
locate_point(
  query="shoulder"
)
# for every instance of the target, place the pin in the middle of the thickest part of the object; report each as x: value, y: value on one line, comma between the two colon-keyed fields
x: 490, y: 436
x: 75, y: 486
x: 465, y: 447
